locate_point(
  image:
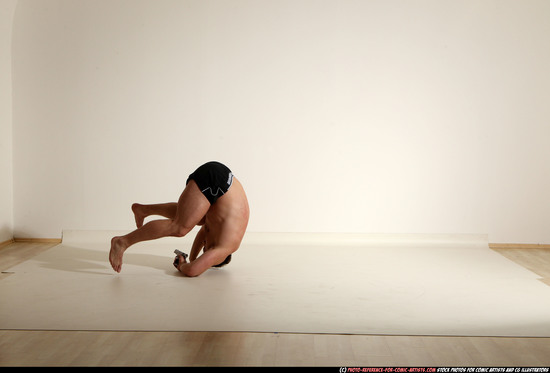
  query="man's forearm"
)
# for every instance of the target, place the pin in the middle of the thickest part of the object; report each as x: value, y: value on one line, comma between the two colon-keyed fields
x: 205, y: 261
x: 187, y: 269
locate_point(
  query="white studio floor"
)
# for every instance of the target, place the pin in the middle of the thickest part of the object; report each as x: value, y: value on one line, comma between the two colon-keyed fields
x: 297, y: 283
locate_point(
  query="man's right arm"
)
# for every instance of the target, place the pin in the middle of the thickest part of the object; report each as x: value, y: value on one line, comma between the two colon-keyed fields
x: 198, y: 244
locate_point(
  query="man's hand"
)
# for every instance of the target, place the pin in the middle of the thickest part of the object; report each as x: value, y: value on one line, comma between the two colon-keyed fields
x: 180, y: 259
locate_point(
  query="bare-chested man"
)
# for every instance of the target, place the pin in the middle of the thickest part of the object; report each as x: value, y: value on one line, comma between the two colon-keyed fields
x: 213, y: 198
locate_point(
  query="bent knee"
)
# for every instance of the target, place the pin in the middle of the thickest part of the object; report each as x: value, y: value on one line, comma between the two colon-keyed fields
x: 180, y: 230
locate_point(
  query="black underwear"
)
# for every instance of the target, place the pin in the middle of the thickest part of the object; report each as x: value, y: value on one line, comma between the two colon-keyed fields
x: 214, y: 180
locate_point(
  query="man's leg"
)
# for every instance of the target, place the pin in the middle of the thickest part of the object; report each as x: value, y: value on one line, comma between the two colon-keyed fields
x: 191, y: 208
x: 168, y: 210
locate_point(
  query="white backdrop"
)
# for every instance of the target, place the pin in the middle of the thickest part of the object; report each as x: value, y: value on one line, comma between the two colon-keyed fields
x: 337, y: 115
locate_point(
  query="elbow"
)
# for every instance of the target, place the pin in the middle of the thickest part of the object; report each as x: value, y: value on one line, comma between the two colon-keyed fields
x: 191, y: 271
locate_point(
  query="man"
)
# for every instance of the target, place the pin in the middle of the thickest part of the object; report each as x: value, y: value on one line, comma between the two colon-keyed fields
x: 213, y: 198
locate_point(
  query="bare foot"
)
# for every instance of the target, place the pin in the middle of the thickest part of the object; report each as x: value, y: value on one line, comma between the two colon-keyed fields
x: 138, y: 215
x: 116, y: 253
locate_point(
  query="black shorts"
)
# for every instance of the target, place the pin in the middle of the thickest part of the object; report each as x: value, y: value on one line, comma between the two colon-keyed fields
x: 214, y: 180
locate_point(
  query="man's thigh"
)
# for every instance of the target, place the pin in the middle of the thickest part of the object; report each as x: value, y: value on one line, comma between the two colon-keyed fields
x: 192, y: 206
